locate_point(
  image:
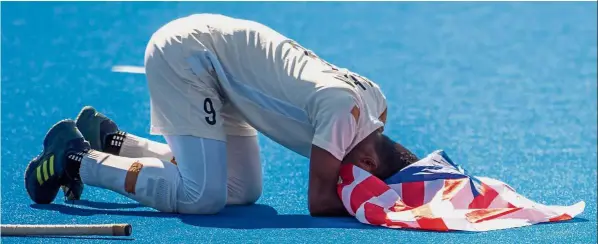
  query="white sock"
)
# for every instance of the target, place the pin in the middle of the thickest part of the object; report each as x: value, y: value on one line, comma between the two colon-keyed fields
x: 149, y: 181
x: 137, y: 147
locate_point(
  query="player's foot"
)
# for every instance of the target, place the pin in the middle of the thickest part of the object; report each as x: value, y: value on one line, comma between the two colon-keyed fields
x: 57, y: 165
x: 96, y: 128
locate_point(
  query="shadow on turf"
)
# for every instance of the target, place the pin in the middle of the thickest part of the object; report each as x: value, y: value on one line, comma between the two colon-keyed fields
x: 256, y: 216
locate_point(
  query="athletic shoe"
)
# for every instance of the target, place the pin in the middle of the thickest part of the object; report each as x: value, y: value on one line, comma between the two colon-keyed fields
x: 52, y: 169
x: 95, y: 127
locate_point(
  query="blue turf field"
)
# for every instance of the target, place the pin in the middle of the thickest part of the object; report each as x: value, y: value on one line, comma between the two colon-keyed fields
x: 507, y: 89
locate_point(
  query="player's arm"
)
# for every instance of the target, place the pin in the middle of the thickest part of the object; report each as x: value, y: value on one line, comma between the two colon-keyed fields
x: 335, y: 126
x: 323, y: 176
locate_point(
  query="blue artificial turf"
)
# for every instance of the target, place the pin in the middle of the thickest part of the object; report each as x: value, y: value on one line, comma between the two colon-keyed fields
x: 507, y: 89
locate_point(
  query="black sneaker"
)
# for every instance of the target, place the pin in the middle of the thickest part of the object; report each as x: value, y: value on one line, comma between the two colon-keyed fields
x: 52, y: 169
x: 95, y: 127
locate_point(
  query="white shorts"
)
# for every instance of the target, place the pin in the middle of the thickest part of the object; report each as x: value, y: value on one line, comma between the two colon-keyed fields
x: 185, y: 95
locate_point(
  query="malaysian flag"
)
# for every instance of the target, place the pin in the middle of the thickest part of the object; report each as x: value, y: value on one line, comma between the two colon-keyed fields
x: 437, y: 194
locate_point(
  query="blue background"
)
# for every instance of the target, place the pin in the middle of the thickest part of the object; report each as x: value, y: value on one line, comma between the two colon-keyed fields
x: 507, y: 89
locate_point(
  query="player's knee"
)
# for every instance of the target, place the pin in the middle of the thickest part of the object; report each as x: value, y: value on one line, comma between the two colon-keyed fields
x: 251, y: 196
x: 211, y: 201
x: 248, y: 195
x: 205, y: 206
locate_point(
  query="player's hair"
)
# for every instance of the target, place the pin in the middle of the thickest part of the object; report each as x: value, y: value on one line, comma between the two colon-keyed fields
x: 393, y: 157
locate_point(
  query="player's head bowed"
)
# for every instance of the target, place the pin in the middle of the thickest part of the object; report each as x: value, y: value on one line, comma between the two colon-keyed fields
x: 380, y: 155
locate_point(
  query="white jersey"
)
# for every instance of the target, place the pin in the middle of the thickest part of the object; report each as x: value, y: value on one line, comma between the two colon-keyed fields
x: 285, y: 91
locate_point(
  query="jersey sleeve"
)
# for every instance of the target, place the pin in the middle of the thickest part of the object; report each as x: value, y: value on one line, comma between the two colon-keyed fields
x: 335, y: 126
